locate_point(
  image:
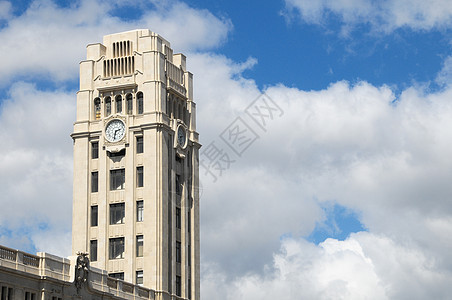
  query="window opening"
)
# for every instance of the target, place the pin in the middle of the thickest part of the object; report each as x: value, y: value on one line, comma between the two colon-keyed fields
x: 140, y: 177
x: 117, y: 213
x: 139, y: 280
x: 93, y: 250
x: 140, y: 245
x: 139, y: 103
x: 117, y: 275
x: 97, y: 108
x: 117, y: 250
x: 178, y: 252
x: 140, y: 144
x: 178, y: 286
x: 94, y: 182
x: 129, y: 104
x: 140, y: 211
x: 117, y: 179
x: 118, y: 101
x: 107, y: 106
x: 94, y: 150
x: 178, y: 218
x: 94, y: 215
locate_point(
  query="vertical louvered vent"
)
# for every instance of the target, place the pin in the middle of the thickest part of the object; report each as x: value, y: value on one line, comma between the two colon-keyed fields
x: 122, y: 63
x: 121, y: 49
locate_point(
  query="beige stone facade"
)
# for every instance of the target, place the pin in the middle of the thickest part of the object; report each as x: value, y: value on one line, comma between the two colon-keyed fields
x: 25, y: 276
x: 135, y: 194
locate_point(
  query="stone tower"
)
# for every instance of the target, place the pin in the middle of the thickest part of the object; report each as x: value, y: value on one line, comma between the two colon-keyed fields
x: 135, y: 196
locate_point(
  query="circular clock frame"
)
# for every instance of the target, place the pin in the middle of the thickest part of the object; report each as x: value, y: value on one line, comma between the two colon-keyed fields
x: 115, y: 130
x: 181, y: 136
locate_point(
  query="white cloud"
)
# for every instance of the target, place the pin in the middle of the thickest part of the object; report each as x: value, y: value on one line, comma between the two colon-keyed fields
x: 36, y: 163
x: 357, y: 145
x: 365, y: 266
x: 5, y: 10
x: 187, y: 28
x: 384, y: 16
x: 444, y: 76
x: 350, y: 144
x: 49, y: 40
x: 54, y: 240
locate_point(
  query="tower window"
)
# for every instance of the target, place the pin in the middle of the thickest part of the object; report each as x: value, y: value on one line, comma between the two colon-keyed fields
x: 117, y: 213
x: 93, y: 250
x: 97, y: 108
x: 189, y: 288
x: 94, y: 150
x: 118, y: 100
x: 117, y: 179
x: 178, y: 286
x: 107, y: 106
x: 7, y: 293
x: 116, y: 275
x: 139, y: 144
x: 178, y: 185
x: 116, y: 250
x: 94, y: 182
x: 178, y: 219
x: 140, y: 211
x: 129, y: 104
x: 189, y: 222
x: 139, y: 245
x: 140, y: 103
x: 30, y: 296
x: 140, y: 177
x: 94, y: 215
x: 139, y: 280
x: 189, y: 255
x: 178, y: 252
x: 173, y: 110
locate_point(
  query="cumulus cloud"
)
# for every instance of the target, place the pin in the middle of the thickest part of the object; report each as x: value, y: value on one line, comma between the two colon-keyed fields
x: 187, y: 28
x: 49, y: 40
x: 36, y: 163
x: 364, y: 266
x: 444, y: 77
x: 5, y: 10
x: 384, y: 16
x: 358, y: 145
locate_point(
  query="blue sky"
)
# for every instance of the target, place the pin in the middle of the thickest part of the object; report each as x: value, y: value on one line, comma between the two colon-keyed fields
x: 345, y: 191
x: 286, y: 46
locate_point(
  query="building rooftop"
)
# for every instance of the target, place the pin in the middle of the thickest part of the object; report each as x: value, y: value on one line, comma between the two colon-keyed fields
x: 55, y: 277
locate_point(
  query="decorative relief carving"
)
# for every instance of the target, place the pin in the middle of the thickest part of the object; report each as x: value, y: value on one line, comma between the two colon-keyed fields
x: 81, y: 270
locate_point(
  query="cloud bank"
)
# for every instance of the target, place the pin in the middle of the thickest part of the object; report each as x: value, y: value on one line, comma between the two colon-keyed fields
x: 47, y: 39
x: 382, y: 16
x: 361, y: 146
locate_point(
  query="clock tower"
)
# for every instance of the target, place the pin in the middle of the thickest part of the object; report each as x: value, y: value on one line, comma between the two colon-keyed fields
x: 135, y: 194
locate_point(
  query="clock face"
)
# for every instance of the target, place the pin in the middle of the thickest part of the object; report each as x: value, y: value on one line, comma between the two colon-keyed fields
x: 115, y: 130
x: 181, y: 137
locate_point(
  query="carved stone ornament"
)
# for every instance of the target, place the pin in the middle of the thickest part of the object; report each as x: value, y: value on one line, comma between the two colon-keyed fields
x: 81, y: 270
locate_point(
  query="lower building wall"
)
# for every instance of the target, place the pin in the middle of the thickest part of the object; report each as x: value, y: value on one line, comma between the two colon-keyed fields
x: 47, y: 277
